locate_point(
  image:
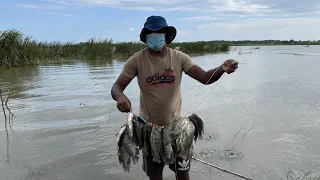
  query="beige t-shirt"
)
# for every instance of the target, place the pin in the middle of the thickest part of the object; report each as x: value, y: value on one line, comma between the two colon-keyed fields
x: 159, y: 80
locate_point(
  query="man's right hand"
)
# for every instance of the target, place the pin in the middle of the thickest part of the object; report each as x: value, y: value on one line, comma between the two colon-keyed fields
x: 124, y: 104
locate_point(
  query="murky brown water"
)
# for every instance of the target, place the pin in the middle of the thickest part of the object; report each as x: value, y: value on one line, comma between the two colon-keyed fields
x: 65, y: 120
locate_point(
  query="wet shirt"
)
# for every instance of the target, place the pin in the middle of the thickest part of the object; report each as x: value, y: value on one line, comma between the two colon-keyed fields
x: 159, y: 80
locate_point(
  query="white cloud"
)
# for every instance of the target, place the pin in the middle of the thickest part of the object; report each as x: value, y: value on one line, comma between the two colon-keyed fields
x: 241, y: 6
x: 219, y: 7
x: 261, y: 29
x: 246, y: 6
x: 131, y: 29
x: 40, y: 6
x: 197, y: 18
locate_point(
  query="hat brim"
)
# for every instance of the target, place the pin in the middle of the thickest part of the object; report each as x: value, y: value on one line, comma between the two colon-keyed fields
x: 170, y: 31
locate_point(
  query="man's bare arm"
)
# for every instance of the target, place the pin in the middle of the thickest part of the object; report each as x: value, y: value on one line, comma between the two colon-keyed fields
x: 203, y: 76
x: 119, y: 86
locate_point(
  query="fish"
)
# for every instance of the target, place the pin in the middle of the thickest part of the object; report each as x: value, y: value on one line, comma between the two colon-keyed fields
x: 200, y: 125
x: 196, y: 130
x: 176, y: 127
x: 167, y: 150
x: 130, y: 124
x: 146, y: 138
x: 137, y: 133
x: 130, y: 140
x: 131, y: 147
x: 156, y: 143
x: 184, y: 141
x: 120, y: 135
x: 189, y: 134
x: 124, y: 158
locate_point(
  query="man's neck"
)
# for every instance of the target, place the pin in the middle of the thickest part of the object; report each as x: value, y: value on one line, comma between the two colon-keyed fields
x: 162, y: 53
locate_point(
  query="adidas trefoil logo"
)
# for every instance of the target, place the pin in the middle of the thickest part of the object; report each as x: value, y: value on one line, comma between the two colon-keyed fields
x: 184, y: 165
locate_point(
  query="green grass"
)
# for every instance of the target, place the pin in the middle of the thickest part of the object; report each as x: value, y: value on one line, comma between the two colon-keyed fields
x: 17, y: 50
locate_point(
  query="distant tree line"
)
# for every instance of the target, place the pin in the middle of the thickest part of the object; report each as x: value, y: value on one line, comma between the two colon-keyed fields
x: 269, y: 42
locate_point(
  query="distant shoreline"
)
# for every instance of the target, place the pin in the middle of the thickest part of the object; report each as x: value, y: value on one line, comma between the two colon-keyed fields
x: 20, y: 50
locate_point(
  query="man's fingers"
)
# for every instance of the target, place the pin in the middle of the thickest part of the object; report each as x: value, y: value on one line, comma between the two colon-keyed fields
x: 234, y: 63
x: 230, y: 70
x: 124, y: 106
x: 127, y: 107
x: 120, y: 107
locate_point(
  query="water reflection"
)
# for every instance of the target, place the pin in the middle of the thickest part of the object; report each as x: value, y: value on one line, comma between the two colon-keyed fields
x: 66, y: 120
x: 18, y: 80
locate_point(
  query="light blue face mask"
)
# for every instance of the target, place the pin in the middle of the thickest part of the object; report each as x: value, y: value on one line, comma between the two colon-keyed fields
x: 156, y: 41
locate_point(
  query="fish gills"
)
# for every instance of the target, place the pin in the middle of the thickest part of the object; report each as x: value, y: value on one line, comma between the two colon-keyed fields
x: 156, y: 143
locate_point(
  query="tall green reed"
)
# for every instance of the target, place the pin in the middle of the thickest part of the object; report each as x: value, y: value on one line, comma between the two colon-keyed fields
x: 19, y: 50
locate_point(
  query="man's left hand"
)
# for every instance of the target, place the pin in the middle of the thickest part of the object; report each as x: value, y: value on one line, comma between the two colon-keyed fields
x: 230, y: 66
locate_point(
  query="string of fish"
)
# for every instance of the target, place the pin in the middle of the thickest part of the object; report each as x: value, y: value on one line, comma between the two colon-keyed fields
x: 132, y: 137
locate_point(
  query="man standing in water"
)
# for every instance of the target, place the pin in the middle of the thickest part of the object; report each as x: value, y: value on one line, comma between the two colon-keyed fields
x: 159, y: 72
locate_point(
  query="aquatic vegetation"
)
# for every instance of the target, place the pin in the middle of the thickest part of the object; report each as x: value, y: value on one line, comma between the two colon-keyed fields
x: 16, y: 49
x: 7, y: 119
x: 301, y: 175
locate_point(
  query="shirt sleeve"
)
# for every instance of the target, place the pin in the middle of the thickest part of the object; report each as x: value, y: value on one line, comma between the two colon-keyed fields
x: 130, y: 68
x: 186, y: 62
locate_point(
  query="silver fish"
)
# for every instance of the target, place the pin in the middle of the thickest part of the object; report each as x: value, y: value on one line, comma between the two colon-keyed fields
x: 189, y: 134
x: 131, y: 147
x: 185, y: 141
x: 167, y: 150
x: 179, y: 141
x: 188, y: 141
x: 156, y: 143
x: 120, y: 135
x: 130, y: 124
x: 176, y: 127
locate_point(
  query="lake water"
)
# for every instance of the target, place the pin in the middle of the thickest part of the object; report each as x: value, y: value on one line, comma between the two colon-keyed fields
x: 65, y: 119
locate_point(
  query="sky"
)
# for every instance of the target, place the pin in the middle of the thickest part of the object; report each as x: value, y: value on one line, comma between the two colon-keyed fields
x: 195, y: 20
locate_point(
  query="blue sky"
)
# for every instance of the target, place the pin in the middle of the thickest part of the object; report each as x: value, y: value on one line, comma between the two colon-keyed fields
x: 122, y: 20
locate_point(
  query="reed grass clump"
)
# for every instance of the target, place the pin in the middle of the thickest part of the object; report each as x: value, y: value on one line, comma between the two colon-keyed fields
x: 16, y: 49
x: 19, y: 50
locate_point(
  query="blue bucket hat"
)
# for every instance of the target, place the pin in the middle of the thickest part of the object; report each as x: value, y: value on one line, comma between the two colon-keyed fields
x: 158, y: 24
